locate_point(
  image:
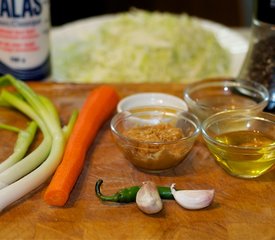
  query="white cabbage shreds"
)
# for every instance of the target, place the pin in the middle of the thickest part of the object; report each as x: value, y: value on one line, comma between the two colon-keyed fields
x: 142, y: 46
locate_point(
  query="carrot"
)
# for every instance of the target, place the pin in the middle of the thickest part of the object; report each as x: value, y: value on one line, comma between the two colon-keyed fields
x: 97, y: 108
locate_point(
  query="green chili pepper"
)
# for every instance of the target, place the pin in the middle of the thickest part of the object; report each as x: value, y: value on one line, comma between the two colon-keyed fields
x: 128, y: 195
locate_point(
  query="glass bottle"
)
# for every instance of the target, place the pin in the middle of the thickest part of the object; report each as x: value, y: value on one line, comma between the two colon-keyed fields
x: 24, y: 39
x: 259, y: 64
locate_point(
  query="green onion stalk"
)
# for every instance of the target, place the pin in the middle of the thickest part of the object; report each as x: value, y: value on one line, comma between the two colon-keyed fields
x: 24, y: 140
x: 34, y: 169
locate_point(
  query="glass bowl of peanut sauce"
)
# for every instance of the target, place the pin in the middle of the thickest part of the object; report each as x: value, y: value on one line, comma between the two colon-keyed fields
x: 155, y: 138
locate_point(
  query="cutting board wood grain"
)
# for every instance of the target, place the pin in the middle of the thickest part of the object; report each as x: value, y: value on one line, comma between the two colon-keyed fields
x: 242, y: 209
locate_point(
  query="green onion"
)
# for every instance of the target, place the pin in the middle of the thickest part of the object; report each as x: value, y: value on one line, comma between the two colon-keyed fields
x: 34, y: 169
x: 35, y: 158
x: 24, y: 140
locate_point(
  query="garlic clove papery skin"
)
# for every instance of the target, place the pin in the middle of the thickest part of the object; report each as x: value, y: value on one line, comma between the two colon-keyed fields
x: 193, y: 199
x: 148, y: 199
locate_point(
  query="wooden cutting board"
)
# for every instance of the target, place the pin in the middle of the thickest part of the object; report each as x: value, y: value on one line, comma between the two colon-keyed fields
x: 242, y: 209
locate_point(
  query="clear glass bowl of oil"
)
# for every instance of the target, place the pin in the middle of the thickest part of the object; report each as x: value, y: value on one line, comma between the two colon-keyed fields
x: 242, y: 142
x: 210, y: 96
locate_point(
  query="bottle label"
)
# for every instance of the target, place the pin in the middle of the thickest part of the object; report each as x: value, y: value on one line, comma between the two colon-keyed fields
x: 24, y: 38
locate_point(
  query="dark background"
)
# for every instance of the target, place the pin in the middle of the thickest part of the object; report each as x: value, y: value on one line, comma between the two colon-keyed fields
x: 228, y: 12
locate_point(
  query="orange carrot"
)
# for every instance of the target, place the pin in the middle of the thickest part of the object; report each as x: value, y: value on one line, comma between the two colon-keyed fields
x: 97, y: 108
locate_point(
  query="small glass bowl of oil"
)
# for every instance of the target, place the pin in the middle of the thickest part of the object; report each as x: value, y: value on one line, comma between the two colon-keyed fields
x: 207, y: 97
x: 242, y: 142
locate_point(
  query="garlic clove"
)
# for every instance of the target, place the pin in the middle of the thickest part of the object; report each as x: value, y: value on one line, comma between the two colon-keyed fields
x: 193, y: 199
x: 148, y: 199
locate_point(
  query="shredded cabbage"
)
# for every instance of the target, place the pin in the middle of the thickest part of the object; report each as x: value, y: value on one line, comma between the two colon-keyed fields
x: 141, y: 46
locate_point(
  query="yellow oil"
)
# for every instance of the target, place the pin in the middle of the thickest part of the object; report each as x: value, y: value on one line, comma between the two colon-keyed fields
x: 245, y: 161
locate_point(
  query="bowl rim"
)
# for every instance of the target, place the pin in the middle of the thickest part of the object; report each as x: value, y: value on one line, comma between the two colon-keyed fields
x: 260, y: 88
x: 239, y: 113
x: 192, y: 119
x: 160, y: 95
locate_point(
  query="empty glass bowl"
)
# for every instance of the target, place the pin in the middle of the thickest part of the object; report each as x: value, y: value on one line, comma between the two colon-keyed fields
x: 243, y: 142
x: 155, y: 138
x: 207, y: 97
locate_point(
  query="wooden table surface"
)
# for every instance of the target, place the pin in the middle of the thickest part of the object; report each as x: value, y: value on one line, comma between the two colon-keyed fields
x: 242, y: 209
